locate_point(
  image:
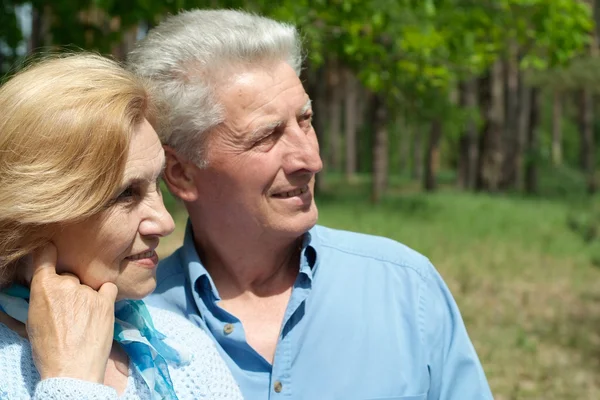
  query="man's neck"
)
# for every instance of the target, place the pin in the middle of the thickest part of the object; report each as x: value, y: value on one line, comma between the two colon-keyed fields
x: 248, y: 264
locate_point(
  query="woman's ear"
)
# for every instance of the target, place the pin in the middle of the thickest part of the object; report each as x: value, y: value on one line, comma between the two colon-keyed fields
x: 25, y: 270
x: 180, y: 176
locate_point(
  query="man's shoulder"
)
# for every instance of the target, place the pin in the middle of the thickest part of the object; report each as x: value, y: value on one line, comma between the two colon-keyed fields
x: 171, y: 265
x: 170, y: 284
x: 366, y: 246
x: 171, y: 270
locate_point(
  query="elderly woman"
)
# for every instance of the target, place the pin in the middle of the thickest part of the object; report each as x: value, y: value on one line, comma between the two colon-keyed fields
x: 81, y: 215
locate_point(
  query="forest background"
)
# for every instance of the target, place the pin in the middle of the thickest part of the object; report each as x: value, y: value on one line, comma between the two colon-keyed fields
x: 466, y: 129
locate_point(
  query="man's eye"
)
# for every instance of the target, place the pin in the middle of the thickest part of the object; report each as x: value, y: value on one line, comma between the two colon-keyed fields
x: 269, y: 139
x: 306, y: 120
x: 263, y: 139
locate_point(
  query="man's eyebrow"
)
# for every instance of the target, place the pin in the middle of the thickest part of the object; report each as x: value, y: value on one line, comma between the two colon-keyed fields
x: 261, y: 130
x: 307, y: 106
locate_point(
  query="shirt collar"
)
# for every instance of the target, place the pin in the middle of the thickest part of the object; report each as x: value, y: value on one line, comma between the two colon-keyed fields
x: 196, y: 272
x: 308, y: 255
x: 194, y: 269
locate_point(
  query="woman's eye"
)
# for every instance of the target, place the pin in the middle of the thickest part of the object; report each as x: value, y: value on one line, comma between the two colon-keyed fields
x: 158, y: 188
x: 128, y: 195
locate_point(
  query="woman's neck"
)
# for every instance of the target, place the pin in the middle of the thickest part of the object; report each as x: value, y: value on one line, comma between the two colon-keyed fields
x: 117, y: 369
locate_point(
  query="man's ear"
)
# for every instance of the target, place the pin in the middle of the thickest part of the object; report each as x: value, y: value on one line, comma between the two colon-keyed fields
x: 179, y: 175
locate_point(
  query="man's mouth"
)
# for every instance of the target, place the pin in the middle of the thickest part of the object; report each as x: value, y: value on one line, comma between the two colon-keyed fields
x: 140, y: 256
x: 291, y: 193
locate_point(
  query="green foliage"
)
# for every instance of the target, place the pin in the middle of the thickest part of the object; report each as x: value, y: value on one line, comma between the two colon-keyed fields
x: 412, y: 51
x: 10, y: 35
x: 581, y: 73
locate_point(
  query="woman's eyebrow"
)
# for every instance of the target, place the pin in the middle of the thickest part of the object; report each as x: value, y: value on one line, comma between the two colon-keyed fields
x: 162, y: 168
x: 140, y: 178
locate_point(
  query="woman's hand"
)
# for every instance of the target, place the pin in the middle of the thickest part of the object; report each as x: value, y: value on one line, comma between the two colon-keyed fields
x: 70, y: 325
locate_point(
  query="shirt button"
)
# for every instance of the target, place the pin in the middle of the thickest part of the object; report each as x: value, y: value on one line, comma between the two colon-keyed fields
x: 227, y: 329
x: 277, y: 386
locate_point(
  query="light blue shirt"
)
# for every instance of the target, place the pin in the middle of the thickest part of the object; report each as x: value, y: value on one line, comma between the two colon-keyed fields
x: 368, y: 318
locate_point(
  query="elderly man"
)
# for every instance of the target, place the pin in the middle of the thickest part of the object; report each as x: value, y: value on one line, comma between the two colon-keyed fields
x: 297, y: 310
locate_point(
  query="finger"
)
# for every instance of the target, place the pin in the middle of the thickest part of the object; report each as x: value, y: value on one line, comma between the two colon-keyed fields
x: 70, y: 276
x: 44, y: 260
x: 109, y: 291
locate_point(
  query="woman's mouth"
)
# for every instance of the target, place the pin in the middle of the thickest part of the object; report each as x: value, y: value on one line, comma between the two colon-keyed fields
x: 139, y: 256
x: 147, y: 258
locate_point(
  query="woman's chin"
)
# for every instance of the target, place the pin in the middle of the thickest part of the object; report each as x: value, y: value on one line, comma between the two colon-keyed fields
x: 141, y: 290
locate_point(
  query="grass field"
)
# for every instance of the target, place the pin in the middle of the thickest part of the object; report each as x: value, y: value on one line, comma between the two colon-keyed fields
x: 524, y: 281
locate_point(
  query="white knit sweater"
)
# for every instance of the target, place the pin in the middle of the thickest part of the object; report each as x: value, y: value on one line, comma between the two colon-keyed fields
x: 205, y: 377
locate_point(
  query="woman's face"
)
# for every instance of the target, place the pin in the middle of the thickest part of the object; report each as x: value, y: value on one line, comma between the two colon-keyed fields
x: 118, y: 245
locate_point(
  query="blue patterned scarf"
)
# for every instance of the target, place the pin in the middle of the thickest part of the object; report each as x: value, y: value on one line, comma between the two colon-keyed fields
x: 135, y: 332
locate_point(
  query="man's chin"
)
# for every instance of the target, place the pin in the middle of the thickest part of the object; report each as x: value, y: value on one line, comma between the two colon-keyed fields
x: 298, y: 225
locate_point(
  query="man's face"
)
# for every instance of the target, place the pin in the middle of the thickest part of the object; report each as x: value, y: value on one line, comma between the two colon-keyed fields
x: 262, y: 160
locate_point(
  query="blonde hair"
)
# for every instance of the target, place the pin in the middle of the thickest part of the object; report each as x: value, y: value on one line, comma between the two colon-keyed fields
x: 65, y: 128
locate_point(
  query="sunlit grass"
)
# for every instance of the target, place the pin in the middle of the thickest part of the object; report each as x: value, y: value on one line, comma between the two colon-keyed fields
x: 523, y: 280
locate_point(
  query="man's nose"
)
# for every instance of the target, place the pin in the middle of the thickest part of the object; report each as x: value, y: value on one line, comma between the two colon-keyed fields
x: 303, y: 152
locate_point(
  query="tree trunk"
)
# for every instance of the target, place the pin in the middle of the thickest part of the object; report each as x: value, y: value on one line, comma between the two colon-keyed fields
x: 403, y: 143
x: 432, y: 156
x: 315, y: 87
x: 524, y: 115
x: 588, y: 152
x: 351, y: 123
x: 491, y: 161
x: 556, y: 128
x: 586, y: 129
x: 363, y: 119
x: 511, y: 132
x: 127, y: 43
x: 335, y: 116
x: 37, y: 29
x: 468, y: 149
x: 418, y: 162
x: 380, y: 148
x: 531, y: 175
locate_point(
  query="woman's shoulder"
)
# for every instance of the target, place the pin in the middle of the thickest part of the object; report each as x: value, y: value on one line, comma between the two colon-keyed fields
x: 186, y: 336
x: 206, y: 376
x: 18, y: 372
x: 14, y: 349
x: 178, y: 328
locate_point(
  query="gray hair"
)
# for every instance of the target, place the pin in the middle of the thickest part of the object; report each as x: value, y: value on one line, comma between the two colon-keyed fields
x: 186, y: 54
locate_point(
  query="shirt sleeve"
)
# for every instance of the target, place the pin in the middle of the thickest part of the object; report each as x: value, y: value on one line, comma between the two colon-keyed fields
x: 455, y: 370
x: 72, y: 389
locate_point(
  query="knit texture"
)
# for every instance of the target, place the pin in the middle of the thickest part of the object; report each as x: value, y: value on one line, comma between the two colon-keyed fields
x: 205, y: 377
